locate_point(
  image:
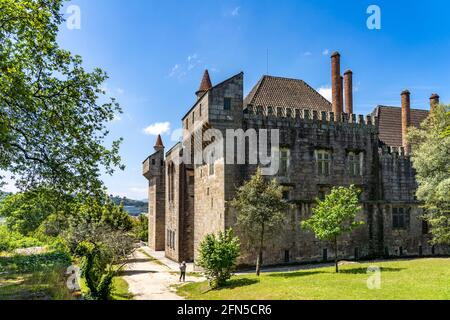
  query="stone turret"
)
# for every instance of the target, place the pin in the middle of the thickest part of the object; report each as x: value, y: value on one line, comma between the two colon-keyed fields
x: 154, y: 171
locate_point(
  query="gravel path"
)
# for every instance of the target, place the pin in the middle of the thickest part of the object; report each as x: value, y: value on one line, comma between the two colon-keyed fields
x: 149, y: 280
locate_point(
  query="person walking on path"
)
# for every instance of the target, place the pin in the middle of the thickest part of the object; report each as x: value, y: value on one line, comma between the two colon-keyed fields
x: 183, y: 271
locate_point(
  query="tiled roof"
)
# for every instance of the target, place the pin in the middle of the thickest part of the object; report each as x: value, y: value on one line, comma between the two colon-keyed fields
x: 283, y: 92
x: 159, y: 142
x: 206, y: 84
x: 390, y: 123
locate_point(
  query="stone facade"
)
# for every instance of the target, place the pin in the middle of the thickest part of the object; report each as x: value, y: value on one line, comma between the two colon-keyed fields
x: 189, y: 201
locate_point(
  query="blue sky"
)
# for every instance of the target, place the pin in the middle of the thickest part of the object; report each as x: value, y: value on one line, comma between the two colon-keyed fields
x: 155, y: 53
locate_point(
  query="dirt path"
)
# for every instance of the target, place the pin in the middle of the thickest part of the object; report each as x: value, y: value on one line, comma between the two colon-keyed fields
x: 150, y: 280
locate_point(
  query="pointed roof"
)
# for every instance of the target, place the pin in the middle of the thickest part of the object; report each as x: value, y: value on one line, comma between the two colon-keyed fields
x: 390, y: 123
x: 284, y: 92
x: 159, y: 143
x: 206, y: 84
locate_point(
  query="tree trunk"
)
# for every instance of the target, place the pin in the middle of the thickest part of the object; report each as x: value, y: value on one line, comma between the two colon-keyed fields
x: 260, y: 253
x: 336, y: 254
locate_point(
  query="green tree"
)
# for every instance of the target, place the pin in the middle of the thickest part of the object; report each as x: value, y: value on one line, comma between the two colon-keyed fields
x: 261, y: 212
x: 218, y: 256
x: 104, y: 253
x: 140, y: 226
x: 25, y: 212
x: 100, y: 233
x: 53, y: 113
x: 430, y: 156
x: 335, y: 216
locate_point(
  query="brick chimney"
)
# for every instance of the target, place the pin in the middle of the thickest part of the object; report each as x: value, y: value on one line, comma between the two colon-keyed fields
x: 434, y: 101
x: 341, y: 94
x: 406, y: 119
x: 348, y: 79
x: 336, y: 84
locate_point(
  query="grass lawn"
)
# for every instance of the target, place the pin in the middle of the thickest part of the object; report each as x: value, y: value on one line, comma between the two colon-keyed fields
x: 400, y: 280
x: 120, y: 290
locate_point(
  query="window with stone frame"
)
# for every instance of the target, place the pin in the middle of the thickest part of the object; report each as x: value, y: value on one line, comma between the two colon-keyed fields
x: 355, y: 163
x: 285, y: 155
x: 400, y: 218
x: 323, y: 159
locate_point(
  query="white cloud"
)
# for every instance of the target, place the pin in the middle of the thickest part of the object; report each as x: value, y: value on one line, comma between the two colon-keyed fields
x: 120, y: 91
x: 174, y: 70
x: 180, y: 70
x: 157, y: 128
x: 326, y: 92
x: 307, y: 53
x: 193, y: 61
x: 235, y: 11
x: 326, y: 52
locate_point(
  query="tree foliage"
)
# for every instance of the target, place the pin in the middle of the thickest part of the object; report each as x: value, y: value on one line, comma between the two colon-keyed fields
x: 103, y: 255
x: 53, y: 113
x: 430, y: 156
x: 25, y: 212
x: 261, y: 211
x: 218, y: 256
x: 335, y: 216
x: 140, y: 227
x: 100, y: 234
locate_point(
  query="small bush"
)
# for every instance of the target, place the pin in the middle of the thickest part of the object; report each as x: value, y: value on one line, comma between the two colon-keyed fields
x: 140, y: 227
x: 10, y: 240
x: 218, y: 256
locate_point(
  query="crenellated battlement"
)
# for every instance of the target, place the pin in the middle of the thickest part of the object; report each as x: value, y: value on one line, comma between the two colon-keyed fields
x: 297, y: 114
x: 392, y: 151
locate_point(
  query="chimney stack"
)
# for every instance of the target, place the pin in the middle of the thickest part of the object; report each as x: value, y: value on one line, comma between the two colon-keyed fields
x: 348, y: 77
x: 406, y: 119
x: 336, y: 84
x: 434, y: 101
x: 341, y: 95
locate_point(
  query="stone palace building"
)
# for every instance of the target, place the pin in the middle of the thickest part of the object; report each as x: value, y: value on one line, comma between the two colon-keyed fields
x: 322, y: 145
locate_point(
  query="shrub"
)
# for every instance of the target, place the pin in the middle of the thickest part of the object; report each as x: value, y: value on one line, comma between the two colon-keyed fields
x: 140, y: 227
x: 218, y: 256
x: 10, y: 240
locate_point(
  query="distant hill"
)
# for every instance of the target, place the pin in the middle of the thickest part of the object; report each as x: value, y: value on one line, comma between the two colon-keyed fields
x: 133, y: 207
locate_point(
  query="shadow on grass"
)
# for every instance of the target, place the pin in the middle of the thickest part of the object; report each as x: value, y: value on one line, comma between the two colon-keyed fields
x: 295, y: 274
x: 135, y: 272
x: 232, y: 284
x: 139, y: 260
x: 364, y: 270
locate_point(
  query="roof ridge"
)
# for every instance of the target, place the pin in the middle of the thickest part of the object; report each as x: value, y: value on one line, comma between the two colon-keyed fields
x: 315, y: 91
x: 258, y: 89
